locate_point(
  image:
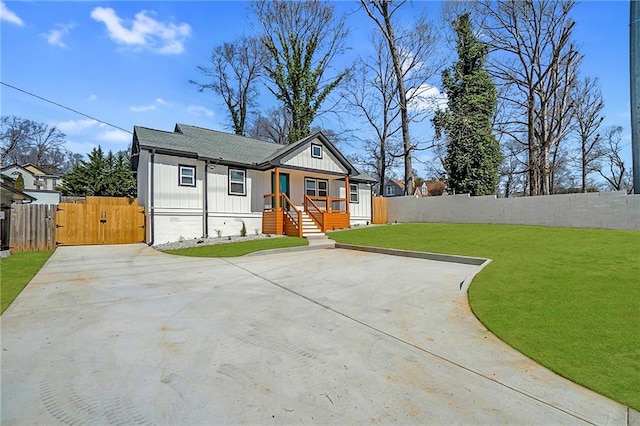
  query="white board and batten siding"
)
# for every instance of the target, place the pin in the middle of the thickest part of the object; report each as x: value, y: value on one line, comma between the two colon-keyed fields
x: 302, y: 158
x: 360, y: 212
x: 168, y: 194
x: 178, y: 210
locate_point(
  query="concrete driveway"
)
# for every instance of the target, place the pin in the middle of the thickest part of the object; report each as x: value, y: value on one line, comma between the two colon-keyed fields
x: 129, y: 335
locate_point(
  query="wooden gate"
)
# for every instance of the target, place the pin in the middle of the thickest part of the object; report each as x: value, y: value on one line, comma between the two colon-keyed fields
x: 92, y: 223
x: 379, y: 213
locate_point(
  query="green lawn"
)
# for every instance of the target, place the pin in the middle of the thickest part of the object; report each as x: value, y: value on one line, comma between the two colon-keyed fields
x: 567, y: 298
x: 16, y: 271
x: 241, y: 248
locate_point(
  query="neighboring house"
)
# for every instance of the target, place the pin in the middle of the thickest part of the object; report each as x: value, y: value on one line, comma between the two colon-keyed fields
x: 34, y: 177
x: 38, y: 184
x: 195, y: 182
x: 430, y: 189
x: 8, y: 195
x: 393, y: 188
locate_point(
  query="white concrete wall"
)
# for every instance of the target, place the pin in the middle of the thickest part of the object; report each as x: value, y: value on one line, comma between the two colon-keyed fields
x: 231, y: 224
x: 172, y: 226
x: 609, y: 210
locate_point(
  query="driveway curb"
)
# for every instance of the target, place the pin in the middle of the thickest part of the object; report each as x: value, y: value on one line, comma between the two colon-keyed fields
x: 466, y: 260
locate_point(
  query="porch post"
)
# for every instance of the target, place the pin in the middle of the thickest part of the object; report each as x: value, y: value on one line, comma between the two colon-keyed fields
x: 347, y: 193
x: 277, y: 185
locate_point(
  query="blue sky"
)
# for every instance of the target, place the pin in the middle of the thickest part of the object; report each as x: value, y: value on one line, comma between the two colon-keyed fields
x: 129, y: 63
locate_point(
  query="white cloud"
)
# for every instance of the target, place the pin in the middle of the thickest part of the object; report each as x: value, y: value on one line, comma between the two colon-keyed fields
x: 114, y: 135
x: 76, y: 127
x: 54, y: 36
x: 144, y: 31
x: 427, y: 98
x: 142, y: 108
x: 9, y: 16
x: 93, y: 97
x: 199, y: 110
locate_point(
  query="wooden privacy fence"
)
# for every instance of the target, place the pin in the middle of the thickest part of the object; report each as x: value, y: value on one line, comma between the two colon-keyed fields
x: 99, y: 223
x: 32, y: 227
x: 379, y: 210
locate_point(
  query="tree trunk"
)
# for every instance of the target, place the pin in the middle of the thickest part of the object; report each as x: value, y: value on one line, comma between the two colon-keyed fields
x: 402, y: 100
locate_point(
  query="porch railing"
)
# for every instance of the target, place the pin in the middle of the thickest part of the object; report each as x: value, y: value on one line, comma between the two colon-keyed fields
x: 314, y: 212
x: 329, y: 204
x: 292, y: 216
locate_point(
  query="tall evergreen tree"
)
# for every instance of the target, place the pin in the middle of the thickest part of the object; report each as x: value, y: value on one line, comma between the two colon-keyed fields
x: 19, y: 185
x: 102, y: 175
x: 473, y: 154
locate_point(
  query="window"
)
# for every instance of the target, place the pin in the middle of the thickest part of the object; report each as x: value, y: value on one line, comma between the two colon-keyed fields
x: 316, y: 151
x: 353, y: 192
x: 186, y: 176
x: 237, y: 182
x: 423, y: 189
x: 317, y: 187
x: 390, y: 191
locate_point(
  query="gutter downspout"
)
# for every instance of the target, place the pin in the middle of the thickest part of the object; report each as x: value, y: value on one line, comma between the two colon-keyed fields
x: 151, y: 197
x: 205, y: 201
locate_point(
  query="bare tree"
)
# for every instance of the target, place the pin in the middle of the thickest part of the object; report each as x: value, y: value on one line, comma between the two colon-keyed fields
x: 272, y: 127
x: 25, y: 141
x: 302, y: 38
x: 14, y: 138
x: 233, y: 72
x: 539, y: 62
x: 587, y: 98
x: 413, y: 55
x: 612, y: 167
x: 371, y: 94
x: 47, y: 148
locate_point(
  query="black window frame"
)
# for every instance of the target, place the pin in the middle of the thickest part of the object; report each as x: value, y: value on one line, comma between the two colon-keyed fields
x: 181, y: 167
x: 244, y: 181
x: 315, y: 145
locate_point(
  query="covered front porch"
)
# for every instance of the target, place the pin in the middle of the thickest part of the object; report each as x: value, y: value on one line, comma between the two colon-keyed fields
x: 315, y: 211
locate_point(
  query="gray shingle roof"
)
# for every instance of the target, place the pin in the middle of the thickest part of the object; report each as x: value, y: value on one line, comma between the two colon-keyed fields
x: 208, y: 144
x: 218, y: 146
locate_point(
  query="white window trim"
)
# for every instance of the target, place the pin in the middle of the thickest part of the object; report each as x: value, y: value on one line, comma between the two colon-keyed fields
x: 181, y: 175
x: 244, y: 181
x: 319, y: 156
x: 390, y: 190
x: 356, y: 193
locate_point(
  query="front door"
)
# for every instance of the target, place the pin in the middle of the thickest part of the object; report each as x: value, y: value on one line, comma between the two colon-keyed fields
x: 284, y: 185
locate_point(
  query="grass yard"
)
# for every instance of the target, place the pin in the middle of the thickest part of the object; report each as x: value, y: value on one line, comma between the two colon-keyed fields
x: 567, y: 298
x: 241, y: 248
x: 16, y: 271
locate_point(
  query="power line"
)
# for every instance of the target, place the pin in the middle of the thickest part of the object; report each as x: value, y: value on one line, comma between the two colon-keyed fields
x: 65, y: 107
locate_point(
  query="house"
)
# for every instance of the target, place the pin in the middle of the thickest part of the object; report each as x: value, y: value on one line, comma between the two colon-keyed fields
x: 393, y: 188
x: 196, y: 182
x: 34, y: 177
x: 430, y: 189
x: 8, y: 195
x: 37, y: 183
